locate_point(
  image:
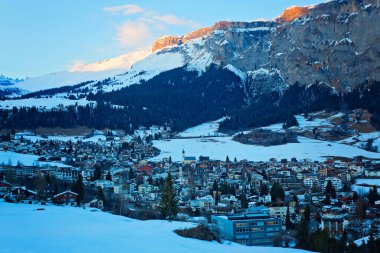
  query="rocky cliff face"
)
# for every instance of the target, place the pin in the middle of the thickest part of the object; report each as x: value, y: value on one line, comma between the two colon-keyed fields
x: 336, y: 43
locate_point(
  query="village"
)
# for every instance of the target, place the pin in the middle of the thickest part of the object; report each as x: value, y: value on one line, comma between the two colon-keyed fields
x: 336, y: 196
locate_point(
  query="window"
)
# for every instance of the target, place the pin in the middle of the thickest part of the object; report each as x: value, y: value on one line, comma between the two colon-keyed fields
x: 257, y: 229
x: 273, y: 229
x: 272, y: 222
x: 257, y: 223
x: 241, y: 224
x: 242, y: 230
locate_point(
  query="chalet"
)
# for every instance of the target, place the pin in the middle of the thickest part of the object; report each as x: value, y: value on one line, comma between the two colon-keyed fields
x: 66, y: 197
x: 4, y: 186
x: 21, y: 193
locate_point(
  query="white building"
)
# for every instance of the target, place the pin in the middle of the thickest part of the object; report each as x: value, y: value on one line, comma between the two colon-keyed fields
x: 336, y: 183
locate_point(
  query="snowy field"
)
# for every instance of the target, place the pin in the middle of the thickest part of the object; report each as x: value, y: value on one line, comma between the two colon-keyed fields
x: 35, y: 138
x: 70, y: 229
x: 12, y: 158
x: 206, y: 129
x: 219, y: 147
x: 363, y: 185
x: 42, y: 103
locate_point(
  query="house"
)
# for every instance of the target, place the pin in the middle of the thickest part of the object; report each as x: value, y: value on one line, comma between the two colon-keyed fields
x: 255, y: 227
x: 145, y: 188
x: 205, y: 202
x: 4, y: 186
x: 95, y: 203
x: 66, y: 197
x: 145, y: 169
x: 280, y: 211
x: 21, y: 193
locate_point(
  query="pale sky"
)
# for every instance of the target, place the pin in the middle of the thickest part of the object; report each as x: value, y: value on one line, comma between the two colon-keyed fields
x: 43, y: 36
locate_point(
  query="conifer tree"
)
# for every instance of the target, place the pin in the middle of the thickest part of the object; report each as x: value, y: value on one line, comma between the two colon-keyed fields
x: 97, y: 173
x: 78, y: 187
x: 288, y: 222
x: 101, y: 195
x: 168, y: 203
x: 109, y: 177
x: 307, y: 213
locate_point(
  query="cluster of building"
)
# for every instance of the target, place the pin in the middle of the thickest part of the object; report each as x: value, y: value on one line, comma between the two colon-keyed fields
x: 235, y: 196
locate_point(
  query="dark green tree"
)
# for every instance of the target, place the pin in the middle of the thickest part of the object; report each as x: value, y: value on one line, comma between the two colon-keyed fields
x: 78, y: 187
x: 131, y: 174
x: 263, y: 189
x: 302, y: 234
x: 244, y: 201
x: 169, y: 202
x: 307, y: 213
x: 276, y: 192
x: 97, y: 173
x: 101, y: 196
x: 288, y: 222
x: 109, y: 177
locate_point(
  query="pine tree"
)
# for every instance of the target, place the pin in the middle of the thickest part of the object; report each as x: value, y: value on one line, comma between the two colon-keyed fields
x: 109, y: 177
x: 101, y: 195
x: 354, y: 197
x: 131, y: 174
x: 78, y: 187
x: 97, y: 173
x: 276, y: 192
x: 263, y: 189
x: 307, y: 213
x: 303, y: 234
x: 330, y: 190
x: 168, y: 204
x: 243, y: 201
x: 227, y: 159
x: 288, y: 222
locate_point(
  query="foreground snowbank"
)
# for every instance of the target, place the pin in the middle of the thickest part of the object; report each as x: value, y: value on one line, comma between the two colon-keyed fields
x: 68, y: 229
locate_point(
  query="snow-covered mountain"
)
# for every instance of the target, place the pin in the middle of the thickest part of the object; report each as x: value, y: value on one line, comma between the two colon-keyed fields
x: 322, y: 43
x: 257, y: 73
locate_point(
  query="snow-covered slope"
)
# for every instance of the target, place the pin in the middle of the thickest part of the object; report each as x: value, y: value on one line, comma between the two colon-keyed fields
x: 36, y: 228
x: 124, y: 62
x: 81, y: 73
x: 6, y: 81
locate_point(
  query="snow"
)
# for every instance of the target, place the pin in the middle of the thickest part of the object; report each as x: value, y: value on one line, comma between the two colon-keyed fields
x: 12, y: 158
x: 63, y: 78
x: 237, y: 72
x: 219, y: 147
x: 35, y: 138
x: 360, y: 139
x: 43, y: 103
x: 206, y: 129
x: 316, y: 122
x: 71, y: 229
x: 149, y: 67
x: 361, y: 241
x: 124, y: 62
x: 360, y: 183
x: 81, y: 72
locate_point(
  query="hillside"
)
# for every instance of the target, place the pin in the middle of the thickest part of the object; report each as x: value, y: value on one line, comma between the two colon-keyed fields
x: 36, y: 228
